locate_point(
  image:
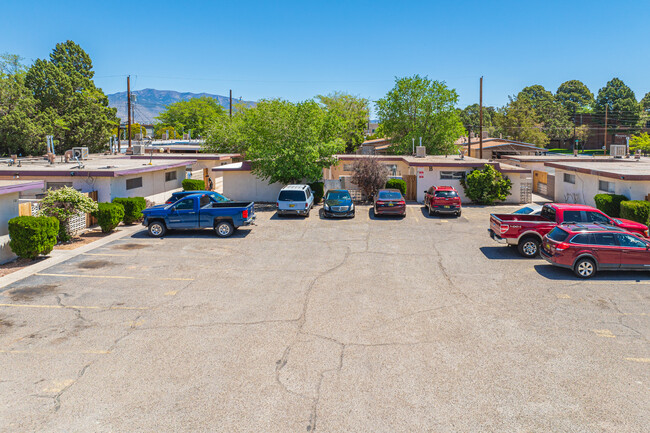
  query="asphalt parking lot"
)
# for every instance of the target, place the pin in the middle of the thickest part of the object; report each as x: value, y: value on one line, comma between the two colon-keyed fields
x: 421, y: 324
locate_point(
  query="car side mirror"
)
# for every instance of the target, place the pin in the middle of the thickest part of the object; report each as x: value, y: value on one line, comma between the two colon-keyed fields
x: 425, y: 191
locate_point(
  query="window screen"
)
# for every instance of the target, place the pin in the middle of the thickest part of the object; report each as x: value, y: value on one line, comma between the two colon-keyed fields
x: 170, y: 175
x: 455, y: 175
x: 603, y: 185
x: 136, y: 182
x: 569, y: 178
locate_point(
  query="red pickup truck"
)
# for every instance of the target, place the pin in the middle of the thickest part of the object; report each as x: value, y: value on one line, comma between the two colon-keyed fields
x: 527, y: 231
x: 443, y: 199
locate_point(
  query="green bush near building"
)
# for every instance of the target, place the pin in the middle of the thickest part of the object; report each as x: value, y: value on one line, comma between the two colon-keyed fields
x: 636, y: 210
x: 397, y: 184
x: 318, y: 188
x: 610, y: 203
x: 133, y: 207
x: 193, y: 185
x: 32, y: 236
x: 109, y: 216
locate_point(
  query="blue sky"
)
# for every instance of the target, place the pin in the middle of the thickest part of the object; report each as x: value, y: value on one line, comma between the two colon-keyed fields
x: 296, y: 50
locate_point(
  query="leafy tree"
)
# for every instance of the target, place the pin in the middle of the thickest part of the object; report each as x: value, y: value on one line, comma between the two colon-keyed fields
x: 227, y: 134
x: 640, y: 142
x: 624, y: 112
x: 10, y: 64
x: 418, y: 107
x: 539, y: 99
x: 63, y: 204
x: 645, y: 102
x: 196, y: 114
x: 136, y: 128
x: 353, y: 112
x: 289, y: 142
x: 574, y: 96
x: 519, y: 121
x: 470, y: 117
x: 369, y: 175
x: 159, y: 129
x: 486, y: 186
x: 66, y: 95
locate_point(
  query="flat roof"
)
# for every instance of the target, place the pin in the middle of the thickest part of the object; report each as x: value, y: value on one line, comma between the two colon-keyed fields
x: 189, y: 156
x: 625, y: 169
x: 552, y: 157
x: 95, y: 166
x: 235, y: 166
x: 11, y: 186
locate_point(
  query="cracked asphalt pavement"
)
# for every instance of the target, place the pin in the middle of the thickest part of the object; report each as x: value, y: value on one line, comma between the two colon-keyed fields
x: 421, y: 324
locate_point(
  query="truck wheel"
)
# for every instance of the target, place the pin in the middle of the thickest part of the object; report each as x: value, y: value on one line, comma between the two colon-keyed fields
x: 157, y: 229
x: 223, y: 229
x: 529, y: 247
x: 585, y: 268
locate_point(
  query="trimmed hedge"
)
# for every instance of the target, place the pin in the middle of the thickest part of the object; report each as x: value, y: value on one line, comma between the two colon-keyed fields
x: 318, y: 188
x: 133, y: 207
x: 636, y: 210
x: 397, y: 184
x: 32, y: 236
x: 610, y: 203
x: 109, y: 216
x: 193, y: 185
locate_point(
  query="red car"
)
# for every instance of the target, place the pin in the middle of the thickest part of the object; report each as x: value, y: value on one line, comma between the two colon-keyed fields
x: 442, y: 199
x: 390, y: 202
x: 588, y: 248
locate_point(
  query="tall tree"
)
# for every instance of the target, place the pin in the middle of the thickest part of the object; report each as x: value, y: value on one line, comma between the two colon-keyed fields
x: 539, y: 98
x: 645, y: 102
x: 353, y: 111
x: 196, y: 115
x: 419, y: 107
x: 575, y: 97
x: 519, y: 121
x: 624, y: 112
x: 68, y: 97
x: 470, y: 117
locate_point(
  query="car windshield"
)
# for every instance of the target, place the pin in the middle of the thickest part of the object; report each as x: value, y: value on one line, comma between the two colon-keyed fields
x: 524, y: 211
x: 389, y: 195
x: 292, y: 196
x: 446, y: 194
x: 338, y: 195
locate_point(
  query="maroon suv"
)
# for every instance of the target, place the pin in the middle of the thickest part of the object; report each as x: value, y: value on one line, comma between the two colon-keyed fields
x: 587, y: 248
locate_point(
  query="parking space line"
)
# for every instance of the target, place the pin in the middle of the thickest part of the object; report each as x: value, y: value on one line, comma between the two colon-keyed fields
x: 108, y: 255
x: 73, y: 307
x: 605, y: 333
x: 644, y: 360
x: 117, y: 277
x: 44, y: 352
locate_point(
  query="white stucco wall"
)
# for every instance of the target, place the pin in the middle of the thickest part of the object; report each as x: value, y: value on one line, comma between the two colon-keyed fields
x: 8, y: 210
x: 244, y: 186
x: 586, y: 187
x: 427, y: 178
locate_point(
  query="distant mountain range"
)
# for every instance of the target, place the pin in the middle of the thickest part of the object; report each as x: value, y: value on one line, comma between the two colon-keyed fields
x: 148, y: 103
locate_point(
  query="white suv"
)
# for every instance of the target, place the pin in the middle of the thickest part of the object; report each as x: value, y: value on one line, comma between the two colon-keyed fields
x: 295, y: 200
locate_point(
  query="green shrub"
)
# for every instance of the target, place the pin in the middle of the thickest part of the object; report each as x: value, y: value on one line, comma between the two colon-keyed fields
x: 397, y: 184
x: 109, y: 216
x: 486, y: 186
x: 65, y: 203
x: 193, y: 185
x: 610, y: 203
x: 31, y: 236
x: 133, y: 207
x: 318, y: 188
x: 636, y: 210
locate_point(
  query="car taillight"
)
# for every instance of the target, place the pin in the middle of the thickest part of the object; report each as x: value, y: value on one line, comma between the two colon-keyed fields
x: 504, y: 228
x: 306, y: 205
x: 277, y: 204
x: 168, y: 202
x: 402, y: 202
x: 562, y: 246
x: 244, y: 214
x: 380, y: 202
x: 647, y: 233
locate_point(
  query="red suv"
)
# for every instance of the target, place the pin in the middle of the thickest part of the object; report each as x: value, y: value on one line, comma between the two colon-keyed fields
x: 587, y: 248
x: 442, y: 199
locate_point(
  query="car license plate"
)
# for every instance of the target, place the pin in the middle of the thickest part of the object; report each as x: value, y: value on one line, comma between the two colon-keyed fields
x: 447, y: 207
x: 391, y: 204
x: 292, y: 205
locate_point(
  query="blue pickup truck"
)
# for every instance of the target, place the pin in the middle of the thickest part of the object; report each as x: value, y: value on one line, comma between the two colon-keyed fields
x: 197, y: 211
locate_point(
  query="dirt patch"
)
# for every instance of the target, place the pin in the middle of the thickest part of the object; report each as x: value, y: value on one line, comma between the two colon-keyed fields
x: 17, y: 265
x: 94, y: 264
x: 130, y: 246
x: 5, y: 323
x: 30, y: 292
x: 82, y: 239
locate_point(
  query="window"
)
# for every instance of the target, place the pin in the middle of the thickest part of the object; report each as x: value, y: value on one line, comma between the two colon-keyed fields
x: 572, y: 216
x: 290, y: 195
x: 583, y: 239
x: 603, y: 185
x: 557, y: 235
x: 548, y: 212
x: 134, y: 183
x: 630, y: 241
x: 454, y: 175
x: 57, y: 185
x: 170, y: 175
x: 595, y: 217
x: 392, y: 169
x: 446, y: 194
x: 569, y: 178
x: 389, y: 195
x: 185, y: 204
x: 348, y: 167
x: 605, y: 239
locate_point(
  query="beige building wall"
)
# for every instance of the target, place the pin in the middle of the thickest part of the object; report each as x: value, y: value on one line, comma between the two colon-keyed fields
x: 8, y: 210
x: 245, y: 186
x: 344, y: 168
x: 586, y: 187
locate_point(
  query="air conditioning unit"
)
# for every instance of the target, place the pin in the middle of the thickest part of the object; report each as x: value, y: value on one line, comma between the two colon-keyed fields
x: 138, y: 137
x: 420, y: 151
x: 617, y: 150
x: 80, y: 153
x: 138, y: 149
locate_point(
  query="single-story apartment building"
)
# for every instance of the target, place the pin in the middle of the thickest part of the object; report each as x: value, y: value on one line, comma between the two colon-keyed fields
x: 239, y: 183
x: 579, y: 181
x: 10, y: 191
x: 111, y: 176
x: 496, y: 148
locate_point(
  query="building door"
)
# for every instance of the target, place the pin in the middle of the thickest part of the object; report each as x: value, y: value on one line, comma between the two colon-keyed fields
x: 411, y: 186
x: 540, y: 182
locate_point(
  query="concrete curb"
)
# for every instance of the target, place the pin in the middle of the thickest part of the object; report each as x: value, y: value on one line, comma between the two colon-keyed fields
x: 59, y: 256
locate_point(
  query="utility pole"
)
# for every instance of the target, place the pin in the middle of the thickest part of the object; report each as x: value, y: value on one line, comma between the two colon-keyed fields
x: 119, y: 141
x: 230, y: 103
x: 574, y: 131
x: 128, y: 99
x: 480, y: 128
x: 469, y: 141
x: 605, y: 149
